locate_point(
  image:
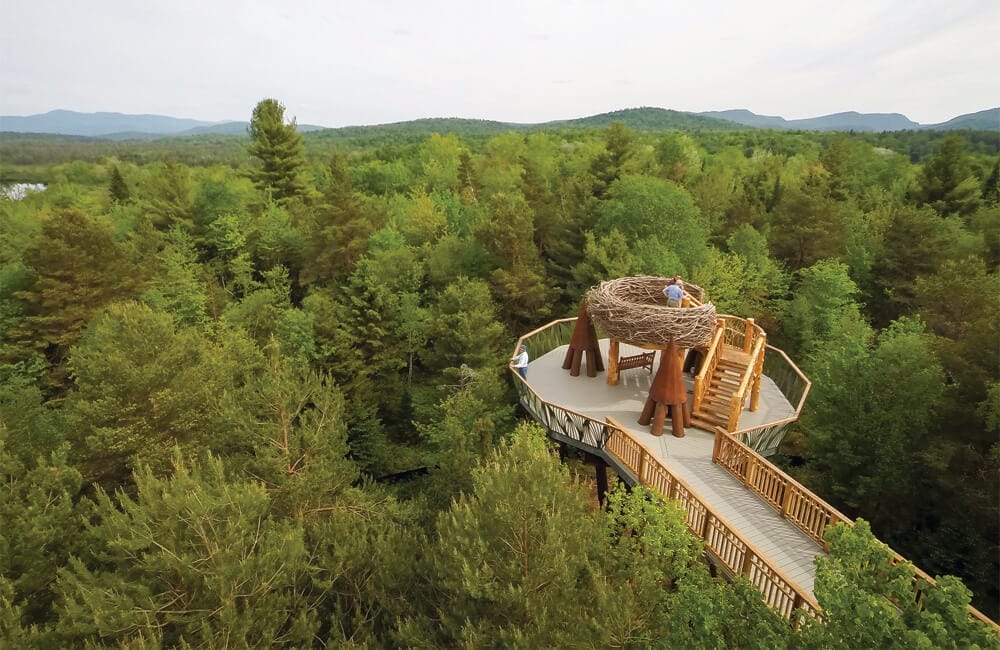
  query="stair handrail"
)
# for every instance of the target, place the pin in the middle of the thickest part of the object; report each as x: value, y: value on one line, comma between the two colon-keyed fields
x: 740, y: 398
x: 708, y: 365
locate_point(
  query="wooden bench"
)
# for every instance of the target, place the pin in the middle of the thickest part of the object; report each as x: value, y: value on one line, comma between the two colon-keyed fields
x: 641, y: 360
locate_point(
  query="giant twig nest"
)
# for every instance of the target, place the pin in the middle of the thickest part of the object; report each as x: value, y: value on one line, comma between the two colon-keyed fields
x: 635, y: 310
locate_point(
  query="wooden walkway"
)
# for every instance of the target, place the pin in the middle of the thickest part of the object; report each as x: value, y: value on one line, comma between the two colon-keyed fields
x: 689, y: 457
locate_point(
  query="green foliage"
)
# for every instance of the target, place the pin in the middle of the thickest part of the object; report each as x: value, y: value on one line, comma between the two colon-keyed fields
x: 169, y: 197
x: 118, y: 188
x: 871, y: 421
x: 513, y: 552
x: 463, y: 325
x: 868, y: 602
x: 667, y: 233
x: 37, y: 505
x: 143, y: 386
x: 316, y: 326
x: 277, y: 146
x: 78, y: 269
x: 946, y: 182
x: 822, y: 315
x: 191, y: 559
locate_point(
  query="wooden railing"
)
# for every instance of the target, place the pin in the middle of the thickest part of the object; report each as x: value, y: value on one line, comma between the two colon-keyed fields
x: 557, y: 419
x: 750, y: 378
x: 723, y: 542
x: 742, y: 334
x: 794, y: 385
x: 796, y: 503
x: 707, y: 369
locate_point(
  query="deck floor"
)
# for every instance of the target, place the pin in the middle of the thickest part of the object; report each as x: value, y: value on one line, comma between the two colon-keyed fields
x: 689, y: 457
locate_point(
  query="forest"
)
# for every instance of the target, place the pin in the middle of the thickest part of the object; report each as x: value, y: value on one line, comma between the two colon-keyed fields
x: 255, y: 391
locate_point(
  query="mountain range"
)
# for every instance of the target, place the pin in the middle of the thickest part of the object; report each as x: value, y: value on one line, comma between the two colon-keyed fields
x: 119, y: 126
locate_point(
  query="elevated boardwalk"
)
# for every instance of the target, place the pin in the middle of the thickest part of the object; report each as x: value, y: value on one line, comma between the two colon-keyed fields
x: 690, y: 457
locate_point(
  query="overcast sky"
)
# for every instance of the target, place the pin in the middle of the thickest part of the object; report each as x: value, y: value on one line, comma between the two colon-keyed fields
x: 345, y: 62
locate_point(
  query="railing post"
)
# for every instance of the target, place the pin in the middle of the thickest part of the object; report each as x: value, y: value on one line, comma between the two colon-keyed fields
x: 787, y: 501
x: 746, y: 564
x: 758, y: 372
x: 748, y: 336
x: 642, y: 466
x: 717, y: 445
x: 751, y: 474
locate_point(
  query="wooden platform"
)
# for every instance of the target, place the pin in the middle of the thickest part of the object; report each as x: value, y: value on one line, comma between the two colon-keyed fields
x: 689, y: 457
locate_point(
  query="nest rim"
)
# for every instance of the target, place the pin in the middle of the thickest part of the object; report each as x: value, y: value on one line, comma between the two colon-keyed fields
x: 633, y: 309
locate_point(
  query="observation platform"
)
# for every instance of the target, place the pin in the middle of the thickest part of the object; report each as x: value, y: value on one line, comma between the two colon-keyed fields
x: 689, y: 458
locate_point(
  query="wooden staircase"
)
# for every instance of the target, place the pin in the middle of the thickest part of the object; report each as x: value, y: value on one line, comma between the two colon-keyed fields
x: 717, y: 405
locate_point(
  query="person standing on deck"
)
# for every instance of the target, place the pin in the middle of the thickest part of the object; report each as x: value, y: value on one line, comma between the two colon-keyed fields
x: 521, y: 361
x: 674, y: 292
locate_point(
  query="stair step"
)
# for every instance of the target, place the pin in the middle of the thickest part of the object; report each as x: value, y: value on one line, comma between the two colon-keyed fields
x: 714, y: 414
x: 705, y: 425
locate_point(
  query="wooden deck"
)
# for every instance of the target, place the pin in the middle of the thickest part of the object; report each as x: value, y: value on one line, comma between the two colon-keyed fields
x: 689, y: 457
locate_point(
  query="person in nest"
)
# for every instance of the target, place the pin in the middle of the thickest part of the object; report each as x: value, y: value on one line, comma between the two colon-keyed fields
x: 674, y: 292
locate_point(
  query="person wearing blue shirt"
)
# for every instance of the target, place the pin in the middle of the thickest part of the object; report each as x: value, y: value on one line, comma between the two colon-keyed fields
x: 674, y: 292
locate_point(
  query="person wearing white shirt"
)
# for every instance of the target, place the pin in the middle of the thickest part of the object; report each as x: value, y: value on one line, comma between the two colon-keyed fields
x: 521, y: 361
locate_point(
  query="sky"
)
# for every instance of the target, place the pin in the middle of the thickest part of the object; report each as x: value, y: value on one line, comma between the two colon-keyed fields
x: 352, y: 62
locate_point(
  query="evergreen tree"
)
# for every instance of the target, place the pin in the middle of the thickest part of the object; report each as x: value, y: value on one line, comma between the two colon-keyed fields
x: 79, y: 268
x: 195, y: 560
x: 118, y: 188
x: 277, y: 146
x: 946, y: 181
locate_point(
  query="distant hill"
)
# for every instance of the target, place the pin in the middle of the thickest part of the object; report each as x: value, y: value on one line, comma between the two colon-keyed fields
x: 988, y: 120
x: 120, y: 126
x: 638, y: 119
x: 850, y: 121
x: 646, y: 119
x: 97, y: 124
x: 747, y: 118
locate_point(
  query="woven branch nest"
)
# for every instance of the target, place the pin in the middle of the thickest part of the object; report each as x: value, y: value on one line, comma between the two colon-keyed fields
x: 634, y: 310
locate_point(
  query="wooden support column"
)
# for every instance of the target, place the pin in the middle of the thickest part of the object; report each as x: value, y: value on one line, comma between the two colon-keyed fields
x: 613, y: 353
x: 584, y: 340
x: 668, y: 389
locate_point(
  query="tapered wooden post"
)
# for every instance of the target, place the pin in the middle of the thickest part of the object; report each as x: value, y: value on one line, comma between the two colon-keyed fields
x: 584, y: 339
x: 668, y: 389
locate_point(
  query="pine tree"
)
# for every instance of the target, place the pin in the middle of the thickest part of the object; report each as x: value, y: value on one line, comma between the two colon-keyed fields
x: 278, y: 149
x: 118, y: 188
